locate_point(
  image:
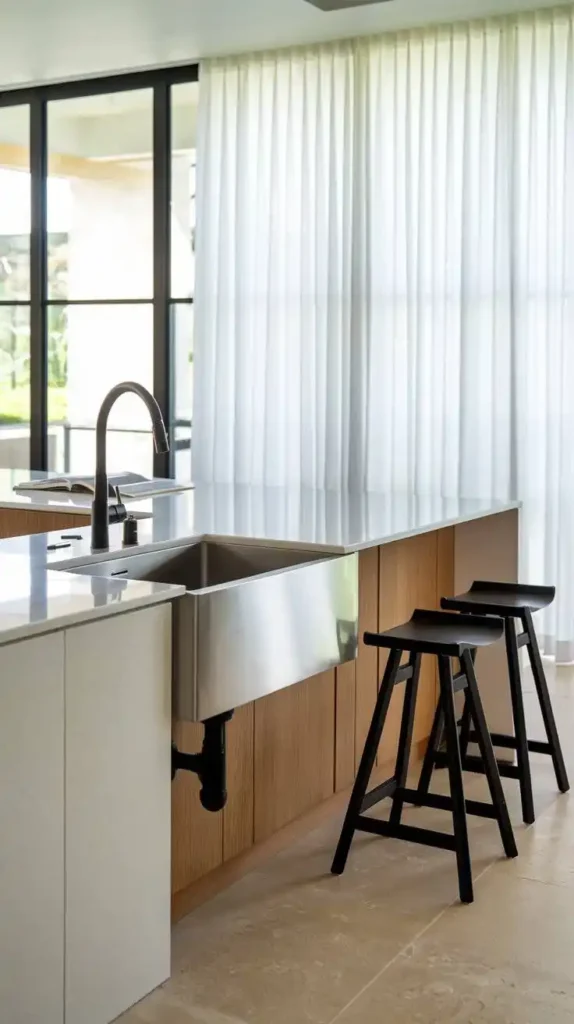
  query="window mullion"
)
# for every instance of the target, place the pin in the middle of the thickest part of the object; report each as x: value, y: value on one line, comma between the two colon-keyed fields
x: 38, y: 287
x: 162, y: 361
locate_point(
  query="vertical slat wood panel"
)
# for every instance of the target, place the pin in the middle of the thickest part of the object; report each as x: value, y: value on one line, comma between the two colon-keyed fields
x: 408, y: 580
x: 197, y: 834
x: 487, y: 549
x: 445, y: 563
x: 444, y: 587
x: 238, y: 824
x: 294, y: 752
x: 345, y: 681
x: 367, y: 661
x: 17, y: 522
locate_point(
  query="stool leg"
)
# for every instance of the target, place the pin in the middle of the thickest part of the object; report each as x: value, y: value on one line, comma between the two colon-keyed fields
x: 367, y: 762
x: 465, y: 721
x: 522, y: 757
x: 545, y: 704
x: 432, y: 747
x: 487, y: 753
x: 405, y: 738
x: 465, y: 728
x: 455, y: 777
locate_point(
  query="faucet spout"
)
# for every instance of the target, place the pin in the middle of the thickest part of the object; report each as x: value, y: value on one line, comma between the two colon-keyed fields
x: 100, y: 526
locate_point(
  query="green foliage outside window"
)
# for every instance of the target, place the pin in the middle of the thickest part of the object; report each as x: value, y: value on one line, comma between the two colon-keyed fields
x: 15, y: 329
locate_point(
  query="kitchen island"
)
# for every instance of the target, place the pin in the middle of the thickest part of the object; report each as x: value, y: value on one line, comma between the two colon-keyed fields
x: 289, y: 753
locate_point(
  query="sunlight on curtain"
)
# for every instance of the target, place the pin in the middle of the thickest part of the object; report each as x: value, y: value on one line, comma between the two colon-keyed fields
x: 275, y: 277
x: 385, y: 292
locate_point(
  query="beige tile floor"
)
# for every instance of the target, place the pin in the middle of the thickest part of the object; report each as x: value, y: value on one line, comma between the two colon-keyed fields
x: 388, y: 942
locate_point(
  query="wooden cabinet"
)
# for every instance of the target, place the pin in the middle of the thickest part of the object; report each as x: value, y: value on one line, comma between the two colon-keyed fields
x: 118, y: 793
x: 32, y: 831
x: 408, y: 580
x: 487, y: 549
x: 294, y: 752
x: 367, y: 658
x: 21, y: 522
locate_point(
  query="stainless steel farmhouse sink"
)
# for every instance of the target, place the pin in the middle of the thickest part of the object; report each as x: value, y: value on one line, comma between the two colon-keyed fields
x: 254, y: 618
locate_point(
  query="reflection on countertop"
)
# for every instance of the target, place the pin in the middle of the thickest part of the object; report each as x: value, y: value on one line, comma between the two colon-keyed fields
x: 33, y: 599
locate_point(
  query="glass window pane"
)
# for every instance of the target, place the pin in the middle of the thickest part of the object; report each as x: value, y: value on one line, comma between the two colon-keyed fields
x: 182, y: 458
x: 14, y: 386
x: 182, y: 355
x: 90, y: 349
x: 183, y: 131
x: 14, y: 204
x: 100, y: 197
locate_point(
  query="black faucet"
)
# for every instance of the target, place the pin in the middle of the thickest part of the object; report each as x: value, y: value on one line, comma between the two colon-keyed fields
x: 100, y: 514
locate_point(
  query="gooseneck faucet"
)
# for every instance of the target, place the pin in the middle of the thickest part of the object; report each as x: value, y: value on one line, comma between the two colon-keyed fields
x: 100, y: 515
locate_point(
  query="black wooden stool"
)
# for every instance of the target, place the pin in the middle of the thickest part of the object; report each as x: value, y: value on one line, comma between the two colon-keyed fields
x: 509, y: 601
x: 446, y: 636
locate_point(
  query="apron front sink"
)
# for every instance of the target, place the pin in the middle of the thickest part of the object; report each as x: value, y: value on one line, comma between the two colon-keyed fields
x: 255, y: 618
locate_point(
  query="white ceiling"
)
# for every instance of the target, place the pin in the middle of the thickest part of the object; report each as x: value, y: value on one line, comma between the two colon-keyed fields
x: 51, y: 40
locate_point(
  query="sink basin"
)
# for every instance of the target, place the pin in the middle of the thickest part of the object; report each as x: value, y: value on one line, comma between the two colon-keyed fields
x: 201, y: 565
x: 254, y: 619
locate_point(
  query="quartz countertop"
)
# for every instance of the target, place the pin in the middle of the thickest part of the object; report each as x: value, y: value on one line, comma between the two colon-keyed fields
x: 35, y: 595
x: 36, y: 600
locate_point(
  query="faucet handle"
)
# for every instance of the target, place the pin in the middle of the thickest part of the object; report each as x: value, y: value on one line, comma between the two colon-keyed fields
x: 117, y: 511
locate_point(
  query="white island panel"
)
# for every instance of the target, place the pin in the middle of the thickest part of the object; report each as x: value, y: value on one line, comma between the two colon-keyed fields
x: 32, y: 831
x: 118, y: 799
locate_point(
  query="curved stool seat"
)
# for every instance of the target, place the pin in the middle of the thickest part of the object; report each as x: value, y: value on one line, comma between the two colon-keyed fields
x: 445, y: 635
x: 510, y: 602
x: 439, y: 633
x: 503, y: 599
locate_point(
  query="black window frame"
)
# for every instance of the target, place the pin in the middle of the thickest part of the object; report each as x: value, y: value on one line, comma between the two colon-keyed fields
x: 160, y: 80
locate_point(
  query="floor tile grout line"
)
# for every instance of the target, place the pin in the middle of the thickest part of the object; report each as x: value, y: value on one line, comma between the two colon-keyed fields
x: 415, y: 939
x: 543, y: 881
x: 389, y: 963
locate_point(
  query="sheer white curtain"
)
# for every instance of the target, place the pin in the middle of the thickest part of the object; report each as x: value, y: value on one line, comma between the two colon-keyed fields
x: 385, y: 283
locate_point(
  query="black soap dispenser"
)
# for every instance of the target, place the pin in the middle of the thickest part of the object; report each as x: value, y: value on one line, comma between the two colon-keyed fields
x: 130, y: 532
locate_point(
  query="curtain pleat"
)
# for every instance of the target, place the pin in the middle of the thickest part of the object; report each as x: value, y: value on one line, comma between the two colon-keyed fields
x: 385, y: 282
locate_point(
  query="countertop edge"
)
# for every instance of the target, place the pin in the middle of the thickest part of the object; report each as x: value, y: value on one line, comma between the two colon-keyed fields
x: 26, y: 631
x: 58, y: 507
x: 442, y: 524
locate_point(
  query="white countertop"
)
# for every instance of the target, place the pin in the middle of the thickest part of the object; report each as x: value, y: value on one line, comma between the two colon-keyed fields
x: 35, y: 598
